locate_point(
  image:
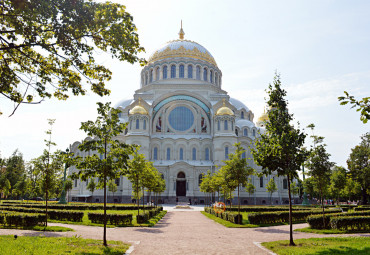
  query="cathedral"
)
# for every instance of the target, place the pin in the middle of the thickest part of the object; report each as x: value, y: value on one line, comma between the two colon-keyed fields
x: 186, y: 124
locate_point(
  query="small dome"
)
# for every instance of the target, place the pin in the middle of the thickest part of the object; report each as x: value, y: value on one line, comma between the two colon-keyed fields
x: 224, y: 110
x: 264, y: 117
x: 138, y: 109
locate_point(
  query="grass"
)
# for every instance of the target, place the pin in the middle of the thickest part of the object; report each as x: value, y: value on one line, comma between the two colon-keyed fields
x: 322, y: 246
x: 87, y: 222
x: 58, y: 245
x: 330, y: 231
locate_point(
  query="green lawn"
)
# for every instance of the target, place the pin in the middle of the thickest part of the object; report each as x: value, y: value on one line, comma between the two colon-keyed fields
x: 322, y: 246
x: 58, y: 245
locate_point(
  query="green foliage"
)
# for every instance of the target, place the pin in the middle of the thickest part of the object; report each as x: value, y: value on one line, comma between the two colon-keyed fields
x: 363, y: 105
x: 112, y: 187
x: 359, y: 165
x: 271, y: 188
x: 91, y: 186
x: 280, y: 149
x: 229, y: 216
x: 48, y: 48
x: 337, y: 182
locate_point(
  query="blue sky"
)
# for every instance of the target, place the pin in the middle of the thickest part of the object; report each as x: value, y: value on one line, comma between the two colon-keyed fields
x: 321, y: 48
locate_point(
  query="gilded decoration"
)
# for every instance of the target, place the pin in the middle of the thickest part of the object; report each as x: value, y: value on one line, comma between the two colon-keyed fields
x: 182, y: 52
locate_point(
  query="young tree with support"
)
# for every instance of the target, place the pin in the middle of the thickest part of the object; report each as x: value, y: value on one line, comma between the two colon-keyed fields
x: 91, y: 187
x: 271, y: 188
x: 319, y: 167
x: 111, y: 158
x: 112, y: 187
x: 250, y: 188
x: 280, y: 149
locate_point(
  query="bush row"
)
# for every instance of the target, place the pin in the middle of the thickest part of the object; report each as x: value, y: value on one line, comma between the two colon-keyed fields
x: 316, y: 221
x: 21, y: 219
x: 229, y: 216
x: 75, y: 216
x: 113, y: 219
x: 278, y: 217
x: 350, y: 222
x: 144, y: 217
x: 80, y: 207
x: 264, y: 209
x: 362, y: 208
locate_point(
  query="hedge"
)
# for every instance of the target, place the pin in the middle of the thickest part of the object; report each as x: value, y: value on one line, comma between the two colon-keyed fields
x: 278, y: 217
x: 264, y: 209
x: 113, y: 219
x: 78, y: 207
x: 316, y: 221
x: 22, y: 220
x: 145, y: 216
x: 63, y: 215
x: 350, y: 222
x: 229, y: 216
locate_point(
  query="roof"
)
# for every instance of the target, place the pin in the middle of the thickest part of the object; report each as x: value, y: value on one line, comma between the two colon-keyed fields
x: 238, y: 104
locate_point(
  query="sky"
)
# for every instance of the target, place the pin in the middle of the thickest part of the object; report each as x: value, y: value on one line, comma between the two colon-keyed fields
x: 320, y: 47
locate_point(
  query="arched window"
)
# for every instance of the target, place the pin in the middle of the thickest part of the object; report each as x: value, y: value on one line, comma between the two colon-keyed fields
x: 226, y: 152
x: 144, y: 125
x: 205, y: 74
x: 181, y: 154
x: 261, y: 182
x: 232, y: 125
x: 165, y: 72
x: 198, y: 72
x: 146, y: 79
x: 242, y: 115
x: 216, y: 78
x: 173, y: 71
x: 194, y: 157
x: 285, y: 184
x: 225, y: 125
x: 200, y: 179
x: 155, y: 153
x: 137, y: 123
x: 157, y: 74
x: 243, y: 155
x: 207, y: 154
x: 151, y: 76
x: 245, y: 132
x: 254, y: 132
x: 236, y: 132
x: 218, y: 125
x: 211, y: 76
x: 168, y: 154
x: 190, y: 71
x: 182, y: 71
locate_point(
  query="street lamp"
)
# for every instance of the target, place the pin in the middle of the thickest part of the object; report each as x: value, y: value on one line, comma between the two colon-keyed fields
x: 62, y: 199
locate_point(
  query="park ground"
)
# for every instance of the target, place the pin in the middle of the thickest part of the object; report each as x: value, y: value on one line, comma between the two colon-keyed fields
x: 185, y: 231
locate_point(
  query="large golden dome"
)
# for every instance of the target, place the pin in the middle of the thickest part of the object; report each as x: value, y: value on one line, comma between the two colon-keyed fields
x: 224, y: 110
x: 138, y: 109
x: 264, y: 117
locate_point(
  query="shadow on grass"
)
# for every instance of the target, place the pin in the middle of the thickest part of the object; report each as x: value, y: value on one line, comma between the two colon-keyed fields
x: 272, y: 231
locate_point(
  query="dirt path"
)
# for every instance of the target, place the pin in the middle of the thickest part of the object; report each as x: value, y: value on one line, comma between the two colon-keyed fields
x: 184, y: 233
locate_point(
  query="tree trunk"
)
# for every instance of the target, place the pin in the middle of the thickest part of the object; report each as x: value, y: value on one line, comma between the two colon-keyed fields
x: 364, y: 195
x: 239, y: 204
x: 143, y: 200
x: 291, y: 242
x: 323, y: 209
x: 105, y: 212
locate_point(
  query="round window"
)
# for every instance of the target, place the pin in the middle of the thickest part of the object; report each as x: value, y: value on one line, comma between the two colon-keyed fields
x: 181, y: 118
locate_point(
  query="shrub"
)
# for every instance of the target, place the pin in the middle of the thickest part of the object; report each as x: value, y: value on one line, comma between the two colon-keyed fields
x: 113, y: 219
x: 142, y: 217
x: 350, y: 222
x: 23, y: 220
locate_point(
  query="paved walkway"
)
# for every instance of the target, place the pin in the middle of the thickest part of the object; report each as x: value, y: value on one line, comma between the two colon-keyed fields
x: 184, y: 232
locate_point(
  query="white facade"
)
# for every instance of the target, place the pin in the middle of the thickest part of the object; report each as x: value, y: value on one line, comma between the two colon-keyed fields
x: 186, y: 124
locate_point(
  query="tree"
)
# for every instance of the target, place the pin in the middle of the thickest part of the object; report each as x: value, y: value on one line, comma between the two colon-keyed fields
x: 47, y: 47
x: 112, y: 187
x: 135, y: 174
x: 281, y: 148
x: 295, y: 189
x: 250, y: 188
x: 359, y: 165
x: 91, y: 187
x: 110, y: 159
x: 319, y: 167
x: 271, y: 188
x: 15, y: 168
x: 362, y: 105
x: 205, y: 185
x: 337, y: 182
x: 352, y: 187
x: 5, y: 186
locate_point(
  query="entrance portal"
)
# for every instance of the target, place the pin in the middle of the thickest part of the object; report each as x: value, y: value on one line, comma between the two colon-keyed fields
x: 181, y: 185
